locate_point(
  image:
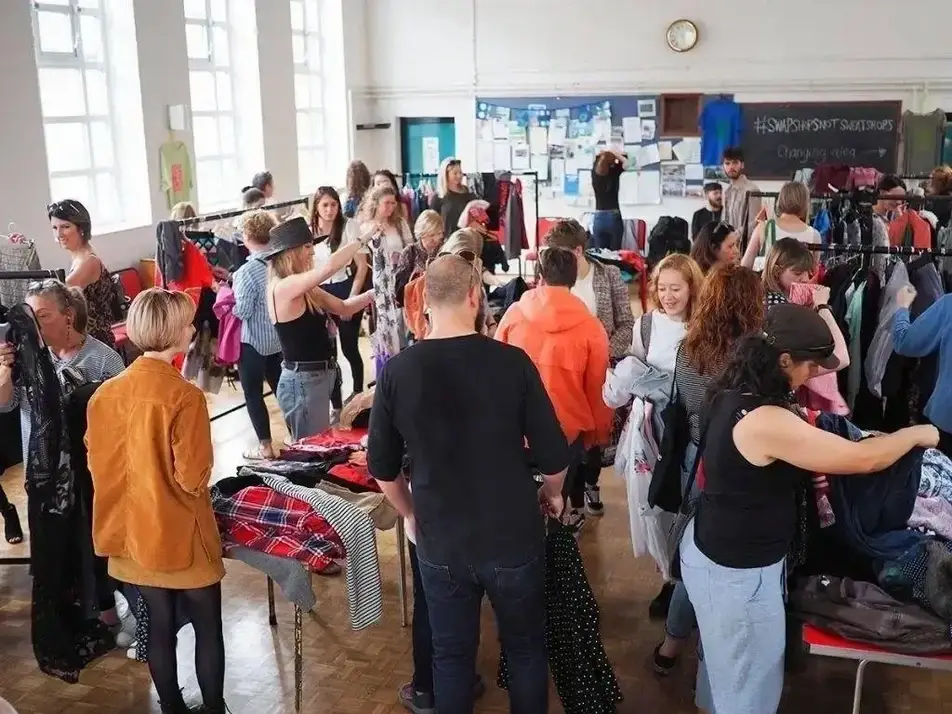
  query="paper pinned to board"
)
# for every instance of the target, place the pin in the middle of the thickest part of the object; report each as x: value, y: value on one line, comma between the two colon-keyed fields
x: 557, y: 179
x: 649, y: 128
x: 649, y: 187
x: 628, y: 188
x: 485, y: 156
x: 585, y: 187
x: 520, y: 156
x: 538, y: 139
x: 650, y: 154
x: 665, y: 150
x: 502, y: 156
x: 540, y: 164
x: 631, y: 126
x: 688, y: 150
x: 694, y: 172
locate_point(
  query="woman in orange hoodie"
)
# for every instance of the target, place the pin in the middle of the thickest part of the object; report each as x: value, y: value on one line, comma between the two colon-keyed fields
x: 570, y: 348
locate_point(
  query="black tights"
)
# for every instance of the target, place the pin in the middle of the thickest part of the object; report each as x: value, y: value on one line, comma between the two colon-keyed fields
x: 203, y: 607
x: 4, y: 501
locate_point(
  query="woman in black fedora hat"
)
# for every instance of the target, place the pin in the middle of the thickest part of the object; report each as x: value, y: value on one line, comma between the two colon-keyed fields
x: 298, y: 308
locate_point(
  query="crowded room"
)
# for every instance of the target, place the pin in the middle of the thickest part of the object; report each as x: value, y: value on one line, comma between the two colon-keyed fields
x: 473, y: 357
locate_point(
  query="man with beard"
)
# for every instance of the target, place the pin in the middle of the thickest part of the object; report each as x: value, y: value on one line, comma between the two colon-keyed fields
x: 711, y: 213
x: 733, y: 165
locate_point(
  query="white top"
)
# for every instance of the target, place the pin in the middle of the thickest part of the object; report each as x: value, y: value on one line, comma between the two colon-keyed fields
x: 322, y: 254
x: 584, y: 289
x: 666, y: 337
x: 393, y: 243
x: 807, y: 235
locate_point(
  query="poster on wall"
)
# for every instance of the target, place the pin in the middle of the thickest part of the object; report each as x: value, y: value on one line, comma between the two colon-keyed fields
x: 431, y: 154
x: 673, y: 180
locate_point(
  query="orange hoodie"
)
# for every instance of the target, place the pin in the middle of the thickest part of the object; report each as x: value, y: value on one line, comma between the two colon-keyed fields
x: 569, y: 347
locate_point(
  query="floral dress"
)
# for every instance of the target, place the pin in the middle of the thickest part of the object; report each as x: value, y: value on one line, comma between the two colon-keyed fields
x: 100, y: 304
x: 390, y: 335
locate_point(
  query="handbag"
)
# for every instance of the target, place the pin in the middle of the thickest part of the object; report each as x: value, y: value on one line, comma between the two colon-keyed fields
x: 686, y: 512
x: 664, y: 491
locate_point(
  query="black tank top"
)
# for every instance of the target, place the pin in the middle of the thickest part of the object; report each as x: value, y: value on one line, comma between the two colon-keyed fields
x: 305, y: 338
x: 747, y: 514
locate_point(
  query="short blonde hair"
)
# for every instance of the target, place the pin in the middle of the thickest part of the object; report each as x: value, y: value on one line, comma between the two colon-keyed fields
x: 157, y: 318
x: 183, y: 210
x: 794, y: 200
x: 256, y: 226
x: 428, y: 223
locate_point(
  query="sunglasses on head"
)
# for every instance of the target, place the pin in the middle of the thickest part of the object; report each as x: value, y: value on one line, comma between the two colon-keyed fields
x: 467, y: 255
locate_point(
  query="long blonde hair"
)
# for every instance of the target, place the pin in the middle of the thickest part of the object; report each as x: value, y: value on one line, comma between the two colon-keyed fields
x: 368, y: 211
x: 294, y: 262
x: 442, y: 180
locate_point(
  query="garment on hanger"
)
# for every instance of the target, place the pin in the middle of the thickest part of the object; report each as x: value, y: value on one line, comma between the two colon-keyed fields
x: 922, y: 137
x: 17, y: 253
x: 720, y: 124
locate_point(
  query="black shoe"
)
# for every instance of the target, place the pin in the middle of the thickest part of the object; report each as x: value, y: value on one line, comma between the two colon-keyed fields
x: 663, y: 665
x: 658, y: 608
x: 179, y: 707
x: 220, y: 709
x: 12, y: 530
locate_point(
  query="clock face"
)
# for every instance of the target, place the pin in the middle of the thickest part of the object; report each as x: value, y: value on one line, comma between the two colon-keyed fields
x: 682, y: 35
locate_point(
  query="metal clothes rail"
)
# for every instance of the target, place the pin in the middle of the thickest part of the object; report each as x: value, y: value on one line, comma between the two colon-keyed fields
x: 208, y: 218
x: 32, y: 274
x: 878, y: 250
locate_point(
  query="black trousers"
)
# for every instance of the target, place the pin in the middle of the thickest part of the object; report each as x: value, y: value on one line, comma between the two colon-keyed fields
x: 348, y: 332
x: 584, y: 472
x: 254, y: 370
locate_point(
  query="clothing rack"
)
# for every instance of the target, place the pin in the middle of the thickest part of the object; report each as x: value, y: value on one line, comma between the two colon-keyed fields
x: 33, y: 275
x: 211, y: 217
x: 878, y: 250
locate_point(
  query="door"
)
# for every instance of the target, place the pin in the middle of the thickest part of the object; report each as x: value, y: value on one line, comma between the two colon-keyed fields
x: 425, y: 142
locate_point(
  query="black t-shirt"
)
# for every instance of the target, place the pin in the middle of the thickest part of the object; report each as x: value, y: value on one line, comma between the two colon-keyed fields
x: 747, y: 514
x: 606, y: 187
x: 450, y: 207
x: 464, y: 408
x: 701, y: 218
x: 494, y: 255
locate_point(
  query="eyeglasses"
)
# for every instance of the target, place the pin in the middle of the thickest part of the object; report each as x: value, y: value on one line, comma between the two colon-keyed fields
x: 41, y: 285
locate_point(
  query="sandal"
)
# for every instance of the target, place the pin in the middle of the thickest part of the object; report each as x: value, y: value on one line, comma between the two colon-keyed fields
x: 12, y: 530
x: 256, y: 453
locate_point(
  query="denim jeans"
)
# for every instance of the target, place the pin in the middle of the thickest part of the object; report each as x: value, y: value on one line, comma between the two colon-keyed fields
x: 681, y: 620
x: 454, y: 594
x: 422, y: 634
x: 253, y: 370
x: 607, y: 229
x: 305, y: 398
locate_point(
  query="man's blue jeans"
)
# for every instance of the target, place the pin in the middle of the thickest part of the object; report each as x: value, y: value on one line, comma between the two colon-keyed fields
x: 454, y: 594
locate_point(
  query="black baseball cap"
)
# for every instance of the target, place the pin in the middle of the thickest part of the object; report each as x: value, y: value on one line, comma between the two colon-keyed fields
x: 802, y: 333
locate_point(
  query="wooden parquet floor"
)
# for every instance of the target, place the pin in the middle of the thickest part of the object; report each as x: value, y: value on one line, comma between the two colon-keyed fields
x: 347, y: 672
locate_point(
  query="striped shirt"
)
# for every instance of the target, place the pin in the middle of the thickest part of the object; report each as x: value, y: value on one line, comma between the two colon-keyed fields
x: 95, y: 361
x: 250, y: 284
x: 692, y: 390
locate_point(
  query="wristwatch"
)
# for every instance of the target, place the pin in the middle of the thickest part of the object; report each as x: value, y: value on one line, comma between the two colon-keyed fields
x: 822, y: 307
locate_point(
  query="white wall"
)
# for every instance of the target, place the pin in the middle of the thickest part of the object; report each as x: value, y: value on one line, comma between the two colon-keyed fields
x: 760, y: 51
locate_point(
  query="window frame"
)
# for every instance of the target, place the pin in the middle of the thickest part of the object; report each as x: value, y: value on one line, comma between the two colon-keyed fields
x: 312, y: 70
x: 76, y: 60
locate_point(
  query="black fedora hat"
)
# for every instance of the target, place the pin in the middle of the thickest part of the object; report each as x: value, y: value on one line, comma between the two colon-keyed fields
x: 292, y: 233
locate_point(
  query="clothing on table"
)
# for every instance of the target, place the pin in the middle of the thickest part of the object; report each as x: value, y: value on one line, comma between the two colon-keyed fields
x: 95, y: 361
x: 416, y: 410
x: 17, y: 254
x: 741, y: 618
x: 932, y: 514
x: 734, y: 196
x: 450, y: 206
x: 169, y: 540
x: 176, y: 172
x: 289, y: 575
x: 702, y: 217
x: 720, y: 124
x: 927, y: 335
x: 570, y: 348
x: 101, y: 298
x: 254, y: 369
x: 922, y: 138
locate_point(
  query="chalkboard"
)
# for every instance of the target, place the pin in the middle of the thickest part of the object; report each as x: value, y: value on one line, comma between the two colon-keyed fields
x: 778, y: 139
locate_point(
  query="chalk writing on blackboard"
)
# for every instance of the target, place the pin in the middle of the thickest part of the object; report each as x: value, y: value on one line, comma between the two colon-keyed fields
x: 791, y: 125
x: 805, y: 156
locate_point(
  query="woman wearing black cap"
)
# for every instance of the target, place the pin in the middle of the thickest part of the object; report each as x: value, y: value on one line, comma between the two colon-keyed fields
x: 72, y: 227
x: 298, y: 308
x: 758, y: 449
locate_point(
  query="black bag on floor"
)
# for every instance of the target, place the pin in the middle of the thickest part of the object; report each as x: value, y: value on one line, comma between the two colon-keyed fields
x: 671, y: 234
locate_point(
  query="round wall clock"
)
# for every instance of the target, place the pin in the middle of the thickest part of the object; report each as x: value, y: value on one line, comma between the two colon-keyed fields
x: 682, y: 35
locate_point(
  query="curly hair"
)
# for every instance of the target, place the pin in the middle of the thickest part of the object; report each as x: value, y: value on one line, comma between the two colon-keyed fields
x: 691, y: 273
x: 754, y: 367
x: 731, y: 305
x: 358, y: 179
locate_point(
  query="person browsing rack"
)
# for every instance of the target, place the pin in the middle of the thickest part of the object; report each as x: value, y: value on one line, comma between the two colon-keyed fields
x: 451, y: 194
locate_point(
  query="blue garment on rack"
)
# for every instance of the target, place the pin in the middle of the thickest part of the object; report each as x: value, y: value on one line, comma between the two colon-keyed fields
x: 720, y: 125
x: 823, y: 224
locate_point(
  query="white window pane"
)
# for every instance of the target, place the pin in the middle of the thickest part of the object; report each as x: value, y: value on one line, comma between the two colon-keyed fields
x: 230, y: 179
x: 302, y: 91
x: 61, y: 92
x: 79, y: 188
x: 303, y: 129
x: 56, y: 2
x: 313, y: 52
x: 219, y: 11
x: 107, y: 199
x: 317, y: 129
x: 195, y: 9
x: 208, y: 175
x: 88, y: 4
x: 317, y: 91
x: 297, y: 15
x: 196, y: 41
x: 97, y: 92
x: 202, y: 85
x: 311, y: 16
x: 226, y: 134
x: 91, y: 29
x: 205, y: 132
x: 67, y: 147
x: 102, y: 144
x: 298, y: 49
x: 220, y: 46
x: 56, y: 32
x: 223, y: 82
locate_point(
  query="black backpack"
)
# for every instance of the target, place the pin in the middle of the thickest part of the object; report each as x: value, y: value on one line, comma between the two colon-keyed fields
x: 670, y: 235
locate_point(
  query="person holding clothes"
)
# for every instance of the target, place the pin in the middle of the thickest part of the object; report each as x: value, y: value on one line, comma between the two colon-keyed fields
x: 72, y: 227
x: 357, y: 184
x: 570, y: 347
x: 61, y: 316
x: 712, y: 212
x: 608, y: 229
x: 716, y: 244
x: 149, y: 434
x: 327, y: 224
x: 260, y: 358
x: 793, y: 210
x: 758, y: 449
x: 736, y: 193
x: 605, y: 295
x: 788, y: 263
x: 298, y: 309
x: 729, y: 306
x: 451, y: 195
x: 930, y: 333
x: 428, y: 231
x: 432, y: 403
x: 475, y: 217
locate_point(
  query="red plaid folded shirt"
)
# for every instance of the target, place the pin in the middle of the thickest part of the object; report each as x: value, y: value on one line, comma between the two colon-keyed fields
x: 263, y: 519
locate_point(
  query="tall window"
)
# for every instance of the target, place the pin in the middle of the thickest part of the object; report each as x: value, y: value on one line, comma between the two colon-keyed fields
x: 309, y: 93
x: 211, y: 80
x: 79, y: 107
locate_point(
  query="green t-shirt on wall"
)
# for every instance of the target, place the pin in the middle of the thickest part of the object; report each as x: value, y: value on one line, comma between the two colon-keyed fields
x: 176, y: 180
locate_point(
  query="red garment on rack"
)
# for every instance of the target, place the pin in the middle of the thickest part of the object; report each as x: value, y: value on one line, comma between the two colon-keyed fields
x: 912, y: 227
x: 196, y: 272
